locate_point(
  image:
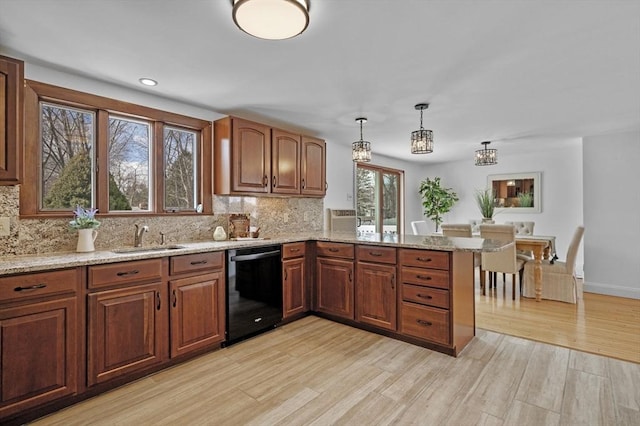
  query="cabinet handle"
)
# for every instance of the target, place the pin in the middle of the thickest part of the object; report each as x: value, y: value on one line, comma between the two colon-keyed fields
x: 393, y: 281
x: 375, y: 253
x: 175, y: 299
x: 424, y: 296
x: 333, y: 250
x: 294, y: 250
x: 326, y: 186
x: 265, y: 180
x: 350, y: 276
x: 33, y: 287
x: 125, y: 273
x: 422, y: 277
x: 303, y: 184
x: 285, y: 274
x: 158, y: 301
x: 199, y: 262
x: 273, y: 180
x: 423, y: 259
x: 425, y: 323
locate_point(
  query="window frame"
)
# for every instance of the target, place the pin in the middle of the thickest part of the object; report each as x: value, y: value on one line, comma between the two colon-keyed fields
x: 380, y: 170
x: 36, y: 92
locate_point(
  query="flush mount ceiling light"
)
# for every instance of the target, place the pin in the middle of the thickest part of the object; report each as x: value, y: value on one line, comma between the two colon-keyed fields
x: 148, y: 81
x: 271, y: 19
x: 421, y: 140
x: 361, y: 150
x: 486, y: 157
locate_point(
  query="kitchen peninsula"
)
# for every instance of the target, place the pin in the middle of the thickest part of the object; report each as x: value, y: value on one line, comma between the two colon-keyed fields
x: 171, y: 302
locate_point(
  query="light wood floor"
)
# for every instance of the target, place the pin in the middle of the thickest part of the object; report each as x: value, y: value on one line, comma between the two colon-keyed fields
x: 317, y: 372
x: 597, y: 324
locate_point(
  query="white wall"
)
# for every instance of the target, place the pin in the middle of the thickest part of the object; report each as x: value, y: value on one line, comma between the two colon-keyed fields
x: 612, y: 214
x: 561, y: 190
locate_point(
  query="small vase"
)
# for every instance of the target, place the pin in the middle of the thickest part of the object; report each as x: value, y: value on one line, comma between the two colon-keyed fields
x: 219, y: 234
x: 86, y: 237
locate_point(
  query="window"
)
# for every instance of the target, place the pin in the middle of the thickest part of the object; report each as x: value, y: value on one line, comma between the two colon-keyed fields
x: 121, y: 158
x: 378, y: 199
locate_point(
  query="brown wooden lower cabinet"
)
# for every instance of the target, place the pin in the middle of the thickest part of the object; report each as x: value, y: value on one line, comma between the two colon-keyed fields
x: 335, y: 287
x: 376, y: 286
x: 39, y: 328
x: 294, y: 279
x: 126, y: 331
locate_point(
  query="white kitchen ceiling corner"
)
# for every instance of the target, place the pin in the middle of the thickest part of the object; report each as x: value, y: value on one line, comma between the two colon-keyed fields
x: 523, y: 74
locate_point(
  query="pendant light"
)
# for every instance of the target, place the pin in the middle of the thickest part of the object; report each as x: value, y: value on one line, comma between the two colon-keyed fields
x: 486, y: 157
x: 421, y: 140
x: 361, y: 150
x: 271, y: 19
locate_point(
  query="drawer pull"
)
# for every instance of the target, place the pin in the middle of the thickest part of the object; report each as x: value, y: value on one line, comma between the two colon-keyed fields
x: 423, y: 259
x: 333, y: 250
x: 294, y: 250
x: 375, y: 253
x: 422, y: 277
x: 199, y: 262
x: 33, y: 287
x: 125, y: 273
x: 425, y: 323
x: 424, y: 296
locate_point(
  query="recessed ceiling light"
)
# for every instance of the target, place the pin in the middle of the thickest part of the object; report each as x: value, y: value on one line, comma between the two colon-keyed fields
x: 148, y: 82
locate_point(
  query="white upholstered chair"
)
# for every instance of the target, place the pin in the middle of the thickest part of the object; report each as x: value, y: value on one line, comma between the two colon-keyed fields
x: 460, y: 230
x: 475, y: 225
x: 505, y: 260
x: 523, y: 228
x: 419, y: 227
x: 558, y: 278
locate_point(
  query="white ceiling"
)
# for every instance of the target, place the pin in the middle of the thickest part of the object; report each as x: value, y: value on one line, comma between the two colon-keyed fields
x: 524, y: 74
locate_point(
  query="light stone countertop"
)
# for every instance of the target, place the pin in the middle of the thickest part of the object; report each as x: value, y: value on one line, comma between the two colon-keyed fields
x: 32, y: 263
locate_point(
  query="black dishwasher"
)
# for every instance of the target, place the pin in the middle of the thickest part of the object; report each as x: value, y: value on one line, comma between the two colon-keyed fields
x: 254, y: 291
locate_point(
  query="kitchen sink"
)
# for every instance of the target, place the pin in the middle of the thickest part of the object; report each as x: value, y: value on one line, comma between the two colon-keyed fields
x: 147, y: 249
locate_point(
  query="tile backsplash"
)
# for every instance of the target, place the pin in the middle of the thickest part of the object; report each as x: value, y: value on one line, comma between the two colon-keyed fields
x: 275, y: 216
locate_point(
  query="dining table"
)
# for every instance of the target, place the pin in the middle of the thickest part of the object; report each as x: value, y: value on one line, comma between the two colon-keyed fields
x: 542, y: 247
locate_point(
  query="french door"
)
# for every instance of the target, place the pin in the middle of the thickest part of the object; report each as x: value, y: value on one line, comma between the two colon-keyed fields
x: 378, y: 199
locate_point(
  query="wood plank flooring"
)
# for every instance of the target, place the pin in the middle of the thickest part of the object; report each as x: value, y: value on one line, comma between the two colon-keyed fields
x: 598, y: 324
x: 317, y: 372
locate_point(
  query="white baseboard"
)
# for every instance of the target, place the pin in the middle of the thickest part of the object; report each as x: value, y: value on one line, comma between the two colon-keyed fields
x: 612, y: 290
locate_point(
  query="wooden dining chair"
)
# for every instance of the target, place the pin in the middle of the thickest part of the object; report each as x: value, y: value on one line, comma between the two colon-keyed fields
x: 505, y: 261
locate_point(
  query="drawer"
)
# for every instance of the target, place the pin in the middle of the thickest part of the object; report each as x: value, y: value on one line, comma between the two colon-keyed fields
x: 196, y: 262
x: 24, y: 286
x: 425, y: 323
x: 425, y: 277
x: 376, y: 254
x: 124, y: 272
x: 425, y: 296
x: 291, y: 250
x: 334, y: 249
x: 425, y: 258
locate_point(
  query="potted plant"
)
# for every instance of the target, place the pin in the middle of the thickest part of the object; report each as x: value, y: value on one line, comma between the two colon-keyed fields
x: 436, y: 200
x: 86, y: 223
x: 486, y: 203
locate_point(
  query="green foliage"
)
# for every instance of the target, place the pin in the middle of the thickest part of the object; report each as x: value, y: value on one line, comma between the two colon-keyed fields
x: 117, y: 200
x: 525, y: 199
x: 486, y: 202
x: 436, y: 200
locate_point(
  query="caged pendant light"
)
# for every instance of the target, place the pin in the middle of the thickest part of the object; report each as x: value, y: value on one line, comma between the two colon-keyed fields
x: 361, y: 150
x: 421, y: 140
x: 271, y: 19
x: 486, y: 157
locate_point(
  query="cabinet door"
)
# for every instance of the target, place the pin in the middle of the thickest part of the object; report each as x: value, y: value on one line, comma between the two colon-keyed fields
x: 39, y: 354
x: 197, y: 312
x: 293, y: 289
x: 313, y: 166
x: 126, y: 332
x: 11, y: 89
x: 251, y: 160
x: 285, y: 162
x: 335, y: 287
x: 376, y: 295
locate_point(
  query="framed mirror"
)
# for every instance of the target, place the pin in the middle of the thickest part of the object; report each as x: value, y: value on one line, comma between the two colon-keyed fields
x: 516, y: 192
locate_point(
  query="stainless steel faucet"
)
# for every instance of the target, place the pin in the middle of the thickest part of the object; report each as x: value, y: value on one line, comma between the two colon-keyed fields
x: 137, y: 239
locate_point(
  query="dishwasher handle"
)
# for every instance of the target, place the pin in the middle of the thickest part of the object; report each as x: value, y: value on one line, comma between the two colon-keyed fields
x: 255, y: 256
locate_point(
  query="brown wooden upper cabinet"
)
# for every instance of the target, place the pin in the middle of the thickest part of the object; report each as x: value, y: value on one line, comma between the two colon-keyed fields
x: 11, y: 100
x: 254, y: 158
